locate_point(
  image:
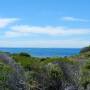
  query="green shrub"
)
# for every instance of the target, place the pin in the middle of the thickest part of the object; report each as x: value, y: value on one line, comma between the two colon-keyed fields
x: 85, y: 75
x: 24, y: 54
x: 54, y: 71
x: 5, y: 71
x: 59, y: 59
x: 28, y: 63
x: 86, y: 49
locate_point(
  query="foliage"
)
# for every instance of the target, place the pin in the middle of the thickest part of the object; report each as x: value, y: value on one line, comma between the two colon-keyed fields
x: 85, y: 74
x: 59, y: 59
x: 86, y: 54
x: 47, y: 73
x: 28, y: 63
x: 86, y: 49
x: 24, y: 54
x: 5, y: 70
x: 49, y: 76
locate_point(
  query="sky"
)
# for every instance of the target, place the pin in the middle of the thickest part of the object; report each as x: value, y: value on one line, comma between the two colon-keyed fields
x: 45, y: 23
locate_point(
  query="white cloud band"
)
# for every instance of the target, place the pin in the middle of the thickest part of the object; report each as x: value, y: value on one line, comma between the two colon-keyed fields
x: 46, y: 43
x: 6, y: 21
x: 68, y: 18
x: 27, y: 30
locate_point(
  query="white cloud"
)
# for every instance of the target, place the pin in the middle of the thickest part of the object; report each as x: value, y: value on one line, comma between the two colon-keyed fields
x: 48, y: 30
x: 67, y: 18
x: 45, y: 43
x: 25, y: 30
x: 6, y: 21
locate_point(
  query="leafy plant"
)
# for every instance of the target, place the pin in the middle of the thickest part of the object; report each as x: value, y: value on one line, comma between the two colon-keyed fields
x: 5, y: 71
x: 86, y: 49
x: 85, y: 75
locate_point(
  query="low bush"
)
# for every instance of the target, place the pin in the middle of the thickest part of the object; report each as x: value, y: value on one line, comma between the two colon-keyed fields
x: 85, y: 75
x: 5, y: 71
x: 86, y: 49
x: 24, y: 54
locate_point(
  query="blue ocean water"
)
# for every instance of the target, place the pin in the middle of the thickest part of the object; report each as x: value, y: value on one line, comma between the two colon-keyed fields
x: 44, y: 52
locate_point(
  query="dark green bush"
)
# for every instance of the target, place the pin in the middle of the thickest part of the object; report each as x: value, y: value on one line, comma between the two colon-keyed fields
x: 86, y: 49
x: 24, y: 54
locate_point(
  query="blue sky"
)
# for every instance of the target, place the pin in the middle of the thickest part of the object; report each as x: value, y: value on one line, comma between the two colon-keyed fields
x: 44, y: 23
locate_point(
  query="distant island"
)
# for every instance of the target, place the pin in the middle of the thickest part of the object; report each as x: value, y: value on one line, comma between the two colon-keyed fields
x: 21, y: 71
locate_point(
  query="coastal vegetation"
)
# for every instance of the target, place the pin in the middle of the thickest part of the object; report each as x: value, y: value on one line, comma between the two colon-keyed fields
x: 5, y: 71
x: 50, y: 73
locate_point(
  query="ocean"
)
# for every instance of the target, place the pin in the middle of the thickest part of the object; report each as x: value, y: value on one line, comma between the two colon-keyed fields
x: 44, y: 52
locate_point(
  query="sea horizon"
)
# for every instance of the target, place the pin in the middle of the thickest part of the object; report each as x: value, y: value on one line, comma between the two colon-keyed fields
x: 43, y: 52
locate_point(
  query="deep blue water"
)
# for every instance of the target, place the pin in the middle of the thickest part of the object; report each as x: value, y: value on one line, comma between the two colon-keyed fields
x: 44, y: 52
